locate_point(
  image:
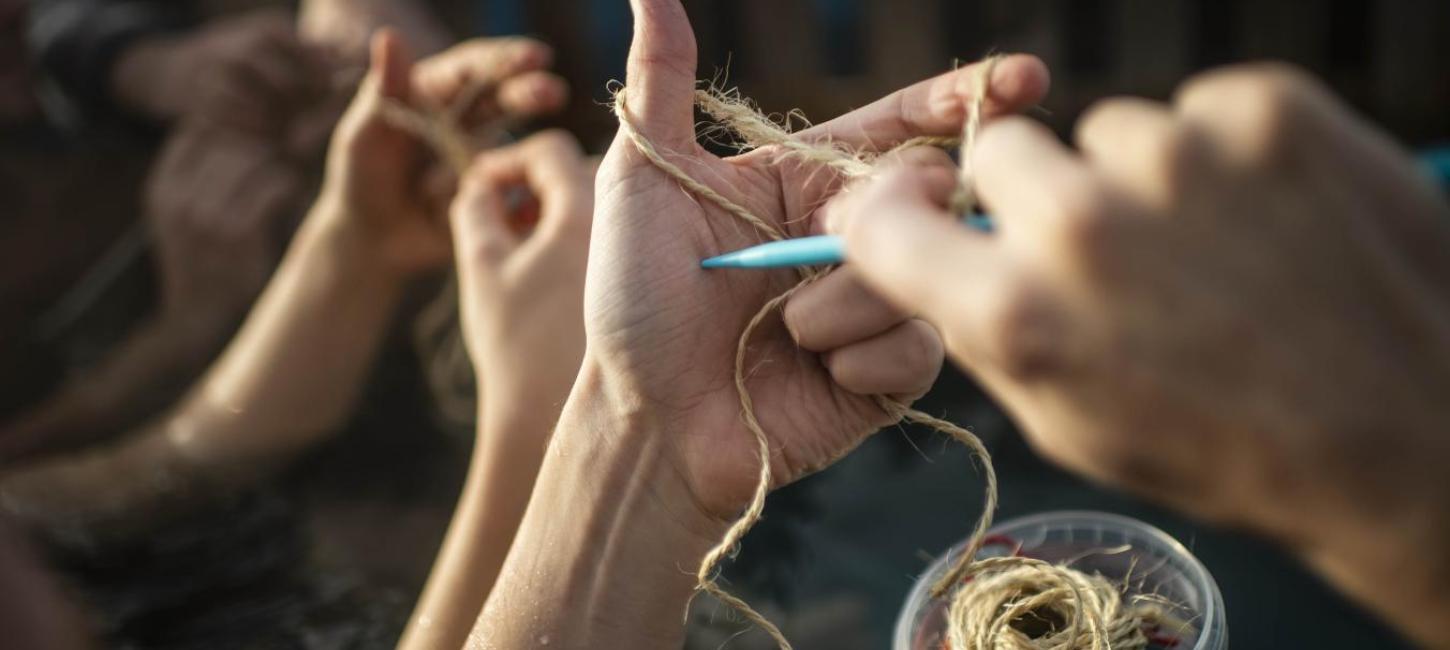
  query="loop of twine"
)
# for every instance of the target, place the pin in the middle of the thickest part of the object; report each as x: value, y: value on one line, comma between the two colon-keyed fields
x: 990, y: 598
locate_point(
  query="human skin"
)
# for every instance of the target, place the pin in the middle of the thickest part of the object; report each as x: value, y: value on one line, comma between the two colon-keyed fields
x: 247, y: 72
x: 291, y: 376
x: 34, y: 611
x: 346, y: 26
x: 521, y: 286
x: 216, y: 205
x: 1237, y: 304
x: 651, y: 460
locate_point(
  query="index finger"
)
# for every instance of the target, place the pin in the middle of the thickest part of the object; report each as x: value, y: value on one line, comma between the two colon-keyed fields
x: 478, y: 64
x: 553, y: 168
x: 937, y: 106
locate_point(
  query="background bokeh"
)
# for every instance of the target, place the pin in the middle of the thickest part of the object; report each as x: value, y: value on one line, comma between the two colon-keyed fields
x: 839, y: 551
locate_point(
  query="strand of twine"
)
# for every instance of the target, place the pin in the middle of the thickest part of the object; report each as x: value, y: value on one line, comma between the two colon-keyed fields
x: 990, y: 598
x: 444, y: 128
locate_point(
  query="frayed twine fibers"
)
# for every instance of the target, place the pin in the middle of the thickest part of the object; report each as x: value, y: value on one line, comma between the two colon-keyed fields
x: 1005, y: 603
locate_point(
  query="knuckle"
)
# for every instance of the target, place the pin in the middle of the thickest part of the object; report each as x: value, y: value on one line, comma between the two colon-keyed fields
x: 922, y: 354
x: 1167, y: 151
x: 796, y: 316
x: 1263, y: 101
x: 1269, y: 103
x: 1081, y: 223
x: 1019, y: 333
x: 1101, y: 117
x: 478, y: 248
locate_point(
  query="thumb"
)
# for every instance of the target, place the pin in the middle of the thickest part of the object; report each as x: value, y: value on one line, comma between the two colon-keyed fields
x: 391, y: 65
x: 907, y: 245
x: 480, y: 220
x: 661, y: 75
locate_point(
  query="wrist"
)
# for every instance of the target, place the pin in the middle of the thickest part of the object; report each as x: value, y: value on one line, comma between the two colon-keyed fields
x: 330, y: 230
x: 612, y: 536
x: 604, y: 420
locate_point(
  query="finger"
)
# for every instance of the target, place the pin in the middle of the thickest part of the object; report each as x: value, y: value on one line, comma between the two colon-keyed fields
x: 901, y: 362
x: 660, y: 97
x: 1027, y: 177
x: 365, y: 120
x: 907, y: 245
x: 838, y: 310
x: 391, y: 66
x: 480, y: 219
x: 533, y: 93
x: 914, y: 157
x: 479, y: 63
x: 1133, y: 144
x: 553, y: 169
x: 176, y: 165
x: 275, y: 67
x: 938, y: 107
x: 230, y: 103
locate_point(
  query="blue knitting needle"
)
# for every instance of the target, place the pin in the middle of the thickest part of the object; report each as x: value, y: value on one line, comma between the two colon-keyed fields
x: 806, y: 251
x: 829, y: 249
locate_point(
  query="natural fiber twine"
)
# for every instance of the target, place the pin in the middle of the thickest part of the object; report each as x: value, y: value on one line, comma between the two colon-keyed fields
x: 1003, y: 603
x: 992, y: 600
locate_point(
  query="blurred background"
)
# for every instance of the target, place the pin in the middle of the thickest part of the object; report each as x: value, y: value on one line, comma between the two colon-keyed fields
x: 112, y: 299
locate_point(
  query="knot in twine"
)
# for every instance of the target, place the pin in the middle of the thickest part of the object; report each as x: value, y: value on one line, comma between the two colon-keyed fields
x: 1006, y: 603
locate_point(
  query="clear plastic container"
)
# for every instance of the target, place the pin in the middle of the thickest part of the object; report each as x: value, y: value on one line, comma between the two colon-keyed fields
x: 1158, y: 563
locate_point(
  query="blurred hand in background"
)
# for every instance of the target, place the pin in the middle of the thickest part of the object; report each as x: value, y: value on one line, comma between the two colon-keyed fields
x: 521, y: 228
x: 521, y: 237
x: 1238, y: 304
x: 345, y: 26
x: 219, y: 204
x: 250, y: 72
x: 384, y: 179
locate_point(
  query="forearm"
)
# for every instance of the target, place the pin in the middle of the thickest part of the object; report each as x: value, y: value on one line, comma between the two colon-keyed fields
x: 505, y: 463
x: 298, y: 365
x: 606, y: 552
x: 147, y: 372
x: 289, y: 377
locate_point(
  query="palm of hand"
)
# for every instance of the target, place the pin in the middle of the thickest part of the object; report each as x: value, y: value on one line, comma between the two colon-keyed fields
x: 656, y: 320
x: 653, y: 312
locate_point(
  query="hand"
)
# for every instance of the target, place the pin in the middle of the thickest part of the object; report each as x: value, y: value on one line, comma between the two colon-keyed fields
x: 665, y: 332
x: 218, y: 203
x: 382, y: 181
x: 1236, y: 304
x: 250, y: 73
x: 521, y: 228
x: 344, y: 26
